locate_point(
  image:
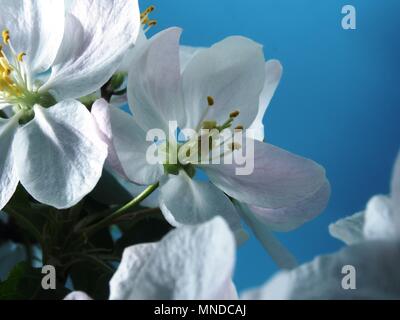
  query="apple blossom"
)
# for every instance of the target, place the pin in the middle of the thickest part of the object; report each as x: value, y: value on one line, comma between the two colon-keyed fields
x: 374, y: 253
x: 225, y: 86
x: 50, y: 147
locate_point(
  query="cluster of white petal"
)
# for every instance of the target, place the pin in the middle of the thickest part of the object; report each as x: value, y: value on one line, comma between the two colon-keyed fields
x: 57, y: 156
x: 70, y: 49
x: 197, y: 262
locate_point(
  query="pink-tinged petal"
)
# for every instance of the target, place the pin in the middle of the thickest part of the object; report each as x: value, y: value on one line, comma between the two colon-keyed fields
x: 127, y: 144
x: 280, y: 179
x: 185, y: 201
x: 290, y: 218
x: 101, y: 113
x: 154, y: 82
x: 273, y: 75
x: 193, y: 262
x: 278, y: 252
x: 232, y: 72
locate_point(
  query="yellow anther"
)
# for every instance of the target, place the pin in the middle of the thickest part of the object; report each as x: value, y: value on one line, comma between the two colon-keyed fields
x: 235, y: 146
x: 239, y: 128
x: 209, y: 125
x: 6, y: 72
x: 210, y: 101
x: 145, y: 20
x: 152, y: 23
x: 147, y: 11
x: 21, y: 56
x: 234, y: 114
x: 6, y: 36
x: 4, y: 63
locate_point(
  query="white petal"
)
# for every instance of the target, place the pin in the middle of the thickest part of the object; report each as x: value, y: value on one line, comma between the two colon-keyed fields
x: 59, y: 155
x: 349, y: 229
x: 280, y: 179
x: 8, y: 173
x: 232, y: 72
x: 36, y: 28
x: 185, y: 201
x: 77, y: 295
x: 10, y: 254
x: 119, y: 101
x: 376, y: 265
x: 98, y: 33
x: 132, y: 52
x: 186, y: 55
x: 280, y: 254
x: 154, y: 84
x: 290, y: 218
x: 127, y: 145
x: 101, y: 113
x: 382, y: 219
x: 273, y: 74
x: 228, y: 292
x: 189, y: 263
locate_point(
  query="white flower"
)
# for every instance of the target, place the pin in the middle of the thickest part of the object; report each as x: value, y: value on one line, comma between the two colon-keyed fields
x: 209, y: 86
x: 52, y: 149
x: 374, y: 252
x: 193, y: 262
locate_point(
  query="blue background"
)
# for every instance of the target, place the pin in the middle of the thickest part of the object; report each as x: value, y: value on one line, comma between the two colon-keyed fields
x: 338, y: 102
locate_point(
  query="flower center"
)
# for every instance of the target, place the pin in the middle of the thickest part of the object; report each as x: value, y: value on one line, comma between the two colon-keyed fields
x: 210, y: 143
x: 15, y: 83
x: 13, y: 80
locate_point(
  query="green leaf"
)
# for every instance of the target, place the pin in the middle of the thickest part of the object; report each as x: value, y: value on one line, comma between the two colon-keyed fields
x: 25, y: 283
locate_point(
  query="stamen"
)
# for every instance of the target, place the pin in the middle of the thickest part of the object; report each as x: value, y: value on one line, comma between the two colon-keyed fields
x: 146, y: 21
x: 235, y: 146
x: 20, y: 56
x: 6, y: 36
x: 239, y: 128
x: 147, y: 11
x: 152, y: 23
x: 13, y: 82
x: 234, y: 114
x: 209, y: 125
x: 210, y: 101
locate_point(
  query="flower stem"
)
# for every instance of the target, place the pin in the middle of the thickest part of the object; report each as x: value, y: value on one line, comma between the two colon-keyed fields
x: 120, y: 212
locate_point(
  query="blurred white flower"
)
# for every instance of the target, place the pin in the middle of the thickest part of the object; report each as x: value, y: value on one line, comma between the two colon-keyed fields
x: 374, y: 252
x: 208, y: 86
x: 192, y: 262
x: 52, y: 149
